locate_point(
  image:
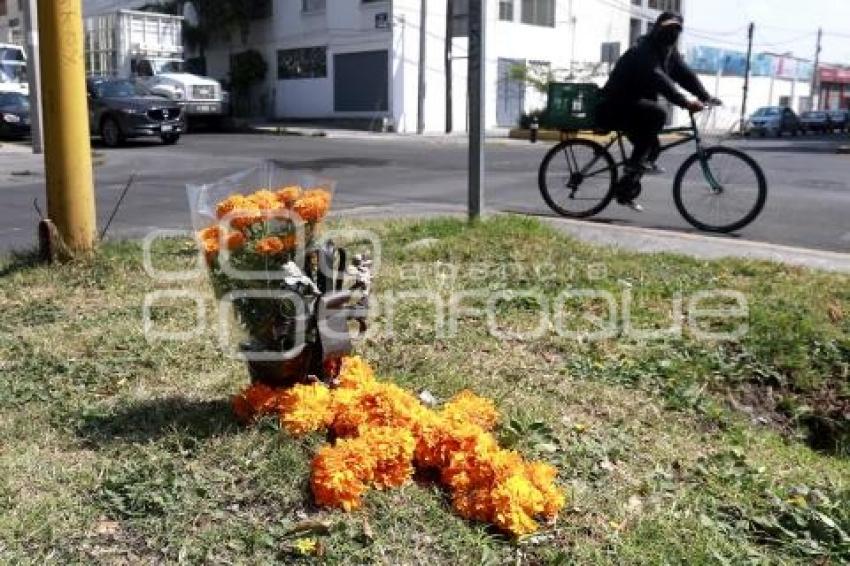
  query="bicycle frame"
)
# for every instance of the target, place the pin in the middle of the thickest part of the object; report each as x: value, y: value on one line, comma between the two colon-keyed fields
x: 693, y: 135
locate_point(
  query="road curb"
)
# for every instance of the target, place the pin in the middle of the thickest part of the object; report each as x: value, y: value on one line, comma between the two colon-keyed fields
x: 650, y: 240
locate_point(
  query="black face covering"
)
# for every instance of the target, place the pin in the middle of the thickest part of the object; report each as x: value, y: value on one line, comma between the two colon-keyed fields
x: 667, y: 36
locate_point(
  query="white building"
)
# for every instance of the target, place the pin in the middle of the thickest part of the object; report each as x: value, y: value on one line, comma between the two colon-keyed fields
x: 12, y: 21
x: 359, y: 59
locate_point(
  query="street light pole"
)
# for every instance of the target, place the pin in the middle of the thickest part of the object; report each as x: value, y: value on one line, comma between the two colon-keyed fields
x: 34, y: 73
x: 67, y: 159
x: 477, y: 62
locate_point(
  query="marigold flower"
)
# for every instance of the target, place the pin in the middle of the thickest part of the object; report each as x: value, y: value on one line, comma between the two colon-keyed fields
x: 288, y: 195
x: 376, y: 404
x: 257, y: 400
x: 235, y: 240
x: 313, y: 205
x: 211, y: 233
x: 342, y: 473
x: 467, y: 407
x: 515, y: 504
x: 305, y: 409
x: 265, y: 200
x: 355, y: 372
x: 393, y: 450
x: 271, y: 245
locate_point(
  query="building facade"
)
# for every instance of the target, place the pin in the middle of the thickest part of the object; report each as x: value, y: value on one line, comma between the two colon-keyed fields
x: 360, y: 59
x: 12, y: 21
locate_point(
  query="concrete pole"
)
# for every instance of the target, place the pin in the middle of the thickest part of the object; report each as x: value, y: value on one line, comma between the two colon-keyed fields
x: 477, y: 97
x: 34, y: 73
x: 67, y: 160
x: 751, y: 31
x: 816, y: 102
x: 423, y: 66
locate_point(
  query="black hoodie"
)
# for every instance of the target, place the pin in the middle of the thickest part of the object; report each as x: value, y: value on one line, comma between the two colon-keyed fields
x: 649, y: 69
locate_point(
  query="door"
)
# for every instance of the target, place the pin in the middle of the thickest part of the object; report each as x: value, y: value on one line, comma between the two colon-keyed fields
x: 510, y: 94
x: 361, y: 82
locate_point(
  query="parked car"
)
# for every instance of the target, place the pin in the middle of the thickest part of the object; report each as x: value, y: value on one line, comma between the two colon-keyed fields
x: 120, y: 109
x: 774, y: 121
x: 14, y: 115
x: 839, y: 120
x: 814, y: 122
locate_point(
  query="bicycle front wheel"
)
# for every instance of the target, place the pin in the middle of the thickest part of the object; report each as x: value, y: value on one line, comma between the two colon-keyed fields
x: 723, y: 193
x: 577, y: 178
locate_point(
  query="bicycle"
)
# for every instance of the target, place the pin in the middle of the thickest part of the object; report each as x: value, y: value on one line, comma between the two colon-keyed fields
x: 702, y: 179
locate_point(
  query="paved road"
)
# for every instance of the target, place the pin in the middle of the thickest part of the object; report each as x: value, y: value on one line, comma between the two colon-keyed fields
x: 808, y: 206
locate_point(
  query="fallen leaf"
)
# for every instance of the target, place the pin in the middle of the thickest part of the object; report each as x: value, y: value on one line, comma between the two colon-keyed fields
x: 311, y: 526
x: 835, y: 312
x: 107, y: 528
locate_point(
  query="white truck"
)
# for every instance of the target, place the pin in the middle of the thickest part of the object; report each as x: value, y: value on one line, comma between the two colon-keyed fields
x: 13, y: 69
x: 148, y: 47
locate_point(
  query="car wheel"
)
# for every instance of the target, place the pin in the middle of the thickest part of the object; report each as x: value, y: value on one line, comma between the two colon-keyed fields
x: 170, y: 139
x: 110, y: 133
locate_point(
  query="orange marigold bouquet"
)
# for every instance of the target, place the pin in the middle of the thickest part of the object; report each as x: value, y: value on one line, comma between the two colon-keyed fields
x: 382, y: 433
x: 259, y: 232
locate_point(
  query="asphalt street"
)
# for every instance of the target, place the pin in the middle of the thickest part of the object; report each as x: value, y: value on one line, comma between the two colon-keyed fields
x: 808, y: 204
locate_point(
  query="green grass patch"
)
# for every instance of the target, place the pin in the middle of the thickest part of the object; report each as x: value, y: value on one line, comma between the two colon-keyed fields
x: 674, y: 448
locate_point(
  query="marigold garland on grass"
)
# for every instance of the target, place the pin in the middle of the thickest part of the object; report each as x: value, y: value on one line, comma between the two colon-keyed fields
x: 384, y: 431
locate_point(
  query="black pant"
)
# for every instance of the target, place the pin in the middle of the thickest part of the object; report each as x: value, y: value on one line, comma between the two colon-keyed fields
x: 641, y: 121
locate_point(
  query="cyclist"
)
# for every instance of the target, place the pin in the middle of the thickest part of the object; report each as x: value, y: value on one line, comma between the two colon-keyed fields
x: 629, y: 101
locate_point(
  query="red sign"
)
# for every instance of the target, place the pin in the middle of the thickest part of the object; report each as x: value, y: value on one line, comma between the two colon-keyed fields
x: 834, y: 75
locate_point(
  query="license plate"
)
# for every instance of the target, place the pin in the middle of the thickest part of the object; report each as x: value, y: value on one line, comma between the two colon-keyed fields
x: 167, y: 128
x: 205, y: 108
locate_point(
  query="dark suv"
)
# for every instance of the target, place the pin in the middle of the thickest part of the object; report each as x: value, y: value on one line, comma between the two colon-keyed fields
x: 121, y: 109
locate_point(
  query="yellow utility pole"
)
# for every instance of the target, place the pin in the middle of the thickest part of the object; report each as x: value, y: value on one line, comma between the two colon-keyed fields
x: 67, y: 155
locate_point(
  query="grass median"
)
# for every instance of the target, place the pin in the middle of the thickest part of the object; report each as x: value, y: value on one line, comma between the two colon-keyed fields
x: 677, y: 447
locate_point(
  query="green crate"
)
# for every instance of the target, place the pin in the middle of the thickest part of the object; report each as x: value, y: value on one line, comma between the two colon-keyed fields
x: 570, y: 106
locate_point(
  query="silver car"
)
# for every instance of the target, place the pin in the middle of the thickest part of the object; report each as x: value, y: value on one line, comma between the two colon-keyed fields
x: 773, y: 121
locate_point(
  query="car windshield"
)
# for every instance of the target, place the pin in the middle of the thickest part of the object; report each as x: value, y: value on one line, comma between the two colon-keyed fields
x: 12, y: 72
x: 11, y: 54
x: 120, y: 89
x: 11, y: 99
x: 169, y: 66
x: 767, y: 112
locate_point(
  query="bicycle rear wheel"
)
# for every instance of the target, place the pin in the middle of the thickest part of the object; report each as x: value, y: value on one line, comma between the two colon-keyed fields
x: 733, y: 203
x: 577, y: 178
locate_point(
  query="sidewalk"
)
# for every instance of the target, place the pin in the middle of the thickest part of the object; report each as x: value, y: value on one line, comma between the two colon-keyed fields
x: 329, y: 131
x: 647, y: 240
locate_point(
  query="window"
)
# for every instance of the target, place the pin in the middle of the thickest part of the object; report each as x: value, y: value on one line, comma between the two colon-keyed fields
x: 310, y: 6
x: 304, y: 63
x: 634, y: 30
x: 3, y: 8
x: 538, y: 12
x: 666, y: 5
x: 506, y: 10
x: 460, y: 18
